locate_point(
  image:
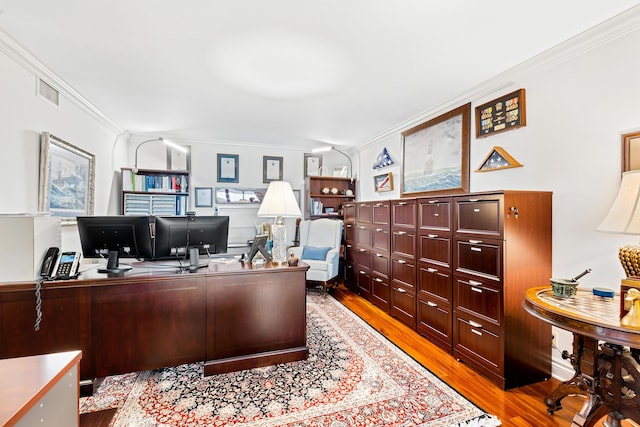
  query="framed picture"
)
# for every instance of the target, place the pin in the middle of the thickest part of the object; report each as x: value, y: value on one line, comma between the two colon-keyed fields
x: 178, y: 160
x: 504, y: 113
x: 228, y: 167
x: 204, y: 197
x: 435, y: 155
x: 383, y: 182
x: 271, y: 169
x: 312, y: 164
x: 67, y: 178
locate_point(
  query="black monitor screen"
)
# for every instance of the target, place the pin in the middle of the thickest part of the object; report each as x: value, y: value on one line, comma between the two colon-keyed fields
x: 174, y: 235
x: 130, y: 236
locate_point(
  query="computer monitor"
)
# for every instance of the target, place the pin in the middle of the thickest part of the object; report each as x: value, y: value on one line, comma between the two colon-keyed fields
x: 115, y: 237
x: 175, y: 235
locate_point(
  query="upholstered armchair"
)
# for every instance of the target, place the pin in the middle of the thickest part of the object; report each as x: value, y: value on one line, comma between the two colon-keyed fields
x: 320, y: 248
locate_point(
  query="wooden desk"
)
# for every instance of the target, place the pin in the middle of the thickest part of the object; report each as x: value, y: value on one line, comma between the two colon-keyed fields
x: 605, y: 370
x: 40, y: 390
x: 231, y: 316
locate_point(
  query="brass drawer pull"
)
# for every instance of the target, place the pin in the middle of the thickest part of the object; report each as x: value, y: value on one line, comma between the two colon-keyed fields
x: 431, y: 304
x: 475, y: 324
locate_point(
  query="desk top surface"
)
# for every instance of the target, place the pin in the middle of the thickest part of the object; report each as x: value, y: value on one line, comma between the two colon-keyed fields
x: 586, y: 314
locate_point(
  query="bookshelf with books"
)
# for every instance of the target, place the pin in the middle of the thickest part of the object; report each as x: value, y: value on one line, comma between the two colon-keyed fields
x: 154, y: 192
x: 324, y: 196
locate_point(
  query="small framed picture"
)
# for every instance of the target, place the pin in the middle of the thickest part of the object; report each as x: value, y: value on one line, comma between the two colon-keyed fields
x: 383, y: 182
x: 271, y: 169
x: 312, y: 165
x: 204, y: 197
x: 228, y: 167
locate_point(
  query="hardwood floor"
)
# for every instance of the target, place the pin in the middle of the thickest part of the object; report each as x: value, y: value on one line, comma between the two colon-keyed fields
x: 518, y: 407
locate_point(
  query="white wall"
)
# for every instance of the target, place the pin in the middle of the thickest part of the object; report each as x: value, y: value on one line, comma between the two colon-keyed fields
x: 576, y: 109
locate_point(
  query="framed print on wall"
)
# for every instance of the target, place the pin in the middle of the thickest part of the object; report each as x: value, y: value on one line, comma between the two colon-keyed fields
x: 504, y: 113
x: 435, y: 155
x: 228, y: 167
x: 67, y: 179
x: 383, y: 182
x: 312, y: 165
x: 204, y: 197
x: 271, y: 169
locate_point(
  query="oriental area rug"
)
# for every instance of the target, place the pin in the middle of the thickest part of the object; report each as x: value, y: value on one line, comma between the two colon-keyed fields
x: 354, y: 376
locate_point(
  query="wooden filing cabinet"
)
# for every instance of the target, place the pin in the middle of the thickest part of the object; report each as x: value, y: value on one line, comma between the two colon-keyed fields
x: 435, y: 306
x: 349, y: 218
x: 501, y: 247
x: 403, y: 260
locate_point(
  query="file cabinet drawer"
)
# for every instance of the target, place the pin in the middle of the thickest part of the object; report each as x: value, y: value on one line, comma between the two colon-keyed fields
x: 434, y: 321
x: 381, y: 213
x: 479, y: 216
x: 403, y: 243
x: 381, y: 239
x: 403, y: 305
x: 363, y: 235
x: 435, y: 214
x: 435, y: 248
x: 364, y: 212
x: 363, y: 258
x: 349, y: 232
x: 433, y: 280
x: 482, y: 299
x: 403, y: 273
x: 403, y: 214
x: 380, y: 265
x: 478, y: 342
x: 482, y: 257
x: 380, y: 292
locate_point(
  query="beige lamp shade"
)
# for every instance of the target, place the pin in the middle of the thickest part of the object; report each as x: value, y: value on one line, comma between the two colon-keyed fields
x: 279, y: 201
x: 624, y: 214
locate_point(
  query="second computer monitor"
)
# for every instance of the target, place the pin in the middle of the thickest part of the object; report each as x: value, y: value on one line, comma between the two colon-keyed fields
x: 174, y: 235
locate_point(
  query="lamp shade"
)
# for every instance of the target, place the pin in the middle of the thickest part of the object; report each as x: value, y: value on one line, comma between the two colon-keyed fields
x: 279, y: 201
x: 624, y: 214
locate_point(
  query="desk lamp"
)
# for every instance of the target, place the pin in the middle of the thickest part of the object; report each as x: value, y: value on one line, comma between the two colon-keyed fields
x: 624, y: 217
x: 279, y: 202
x: 325, y: 149
x: 169, y: 143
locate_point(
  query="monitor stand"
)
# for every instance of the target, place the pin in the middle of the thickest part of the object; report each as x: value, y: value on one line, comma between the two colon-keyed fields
x: 113, y: 265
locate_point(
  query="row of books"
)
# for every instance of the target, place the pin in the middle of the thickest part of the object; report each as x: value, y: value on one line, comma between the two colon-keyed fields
x: 316, y: 207
x: 155, y: 183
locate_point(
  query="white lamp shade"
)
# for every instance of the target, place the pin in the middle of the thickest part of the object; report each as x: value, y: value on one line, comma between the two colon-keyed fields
x: 624, y: 214
x: 279, y: 201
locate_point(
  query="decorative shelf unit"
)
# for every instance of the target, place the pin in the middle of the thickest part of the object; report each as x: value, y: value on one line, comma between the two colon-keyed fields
x: 317, y: 202
x: 154, y: 192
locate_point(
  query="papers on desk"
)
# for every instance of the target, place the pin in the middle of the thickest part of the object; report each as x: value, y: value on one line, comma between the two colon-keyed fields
x: 222, y: 260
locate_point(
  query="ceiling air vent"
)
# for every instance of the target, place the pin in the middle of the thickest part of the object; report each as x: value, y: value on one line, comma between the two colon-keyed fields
x: 46, y: 91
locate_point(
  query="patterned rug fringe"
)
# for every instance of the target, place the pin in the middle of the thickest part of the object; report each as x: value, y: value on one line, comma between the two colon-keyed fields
x: 481, y: 421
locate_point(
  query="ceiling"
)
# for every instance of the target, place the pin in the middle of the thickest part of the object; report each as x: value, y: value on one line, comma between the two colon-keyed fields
x: 285, y: 72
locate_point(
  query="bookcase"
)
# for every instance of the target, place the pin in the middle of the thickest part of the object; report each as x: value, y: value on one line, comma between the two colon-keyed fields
x: 154, y: 192
x: 325, y: 195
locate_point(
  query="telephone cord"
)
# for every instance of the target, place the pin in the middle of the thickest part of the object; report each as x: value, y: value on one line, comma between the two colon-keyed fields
x: 36, y: 327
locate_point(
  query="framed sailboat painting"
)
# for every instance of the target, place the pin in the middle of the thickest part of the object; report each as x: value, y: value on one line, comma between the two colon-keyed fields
x: 435, y: 155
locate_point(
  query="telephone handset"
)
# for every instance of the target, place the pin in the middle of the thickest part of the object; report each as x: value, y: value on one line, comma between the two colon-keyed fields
x: 61, y: 267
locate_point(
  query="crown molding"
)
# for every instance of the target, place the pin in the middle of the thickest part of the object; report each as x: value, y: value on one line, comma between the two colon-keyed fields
x: 21, y: 56
x: 593, y: 38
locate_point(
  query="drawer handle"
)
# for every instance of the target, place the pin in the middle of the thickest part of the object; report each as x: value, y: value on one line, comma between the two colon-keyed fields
x: 349, y: 225
x: 431, y: 270
x: 475, y: 283
x: 362, y: 250
x: 475, y: 324
x: 431, y: 304
x: 379, y: 229
x: 475, y: 242
x: 476, y: 210
x: 474, y: 200
x: 433, y: 201
x: 401, y: 233
x: 432, y: 236
x: 378, y: 280
x: 402, y: 203
x: 362, y: 227
x: 476, y: 332
x: 363, y: 272
x: 436, y: 214
x: 401, y: 261
x: 402, y: 291
x: 349, y: 246
x: 349, y: 266
x: 473, y: 248
x: 364, y: 205
x: 478, y: 290
x: 379, y: 255
x: 378, y: 205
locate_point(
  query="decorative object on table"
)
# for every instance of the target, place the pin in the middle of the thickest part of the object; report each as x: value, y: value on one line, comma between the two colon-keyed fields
x: 258, y: 252
x: 566, y: 288
x: 326, y: 190
x: 343, y: 393
x: 312, y: 165
x: 435, y: 155
x: 67, y: 179
x: 228, y: 167
x: 279, y: 202
x: 632, y: 318
x: 204, y: 197
x: 383, y: 159
x: 624, y: 217
x: 334, y: 190
x: 348, y: 192
x: 293, y: 260
x: 603, y: 292
x: 271, y: 169
x: 325, y: 149
x: 383, y: 182
x: 498, y: 158
x: 504, y: 113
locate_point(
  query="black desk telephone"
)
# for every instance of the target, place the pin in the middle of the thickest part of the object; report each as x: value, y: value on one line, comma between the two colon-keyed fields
x: 61, y: 267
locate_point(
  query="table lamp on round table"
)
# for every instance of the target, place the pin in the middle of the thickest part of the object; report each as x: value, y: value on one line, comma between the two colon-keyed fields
x: 279, y: 202
x: 624, y: 217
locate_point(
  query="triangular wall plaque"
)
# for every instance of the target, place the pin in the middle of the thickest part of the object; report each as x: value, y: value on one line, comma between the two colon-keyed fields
x: 497, y: 158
